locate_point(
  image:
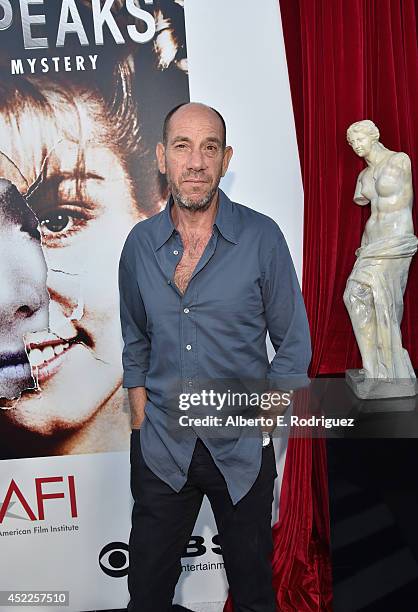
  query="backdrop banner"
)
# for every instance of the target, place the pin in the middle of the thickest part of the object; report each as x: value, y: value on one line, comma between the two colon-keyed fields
x: 84, y: 88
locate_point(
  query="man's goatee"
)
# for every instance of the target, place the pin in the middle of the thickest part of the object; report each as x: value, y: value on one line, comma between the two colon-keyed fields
x: 188, y: 204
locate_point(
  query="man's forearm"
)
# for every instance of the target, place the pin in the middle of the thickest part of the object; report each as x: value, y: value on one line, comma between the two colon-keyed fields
x: 279, y: 403
x: 137, y: 400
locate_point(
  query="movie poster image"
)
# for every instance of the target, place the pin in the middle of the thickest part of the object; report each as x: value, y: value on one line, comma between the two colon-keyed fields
x: 84, y: 88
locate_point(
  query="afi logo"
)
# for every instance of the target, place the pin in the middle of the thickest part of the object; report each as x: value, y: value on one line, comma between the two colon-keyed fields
x: 41, y: 496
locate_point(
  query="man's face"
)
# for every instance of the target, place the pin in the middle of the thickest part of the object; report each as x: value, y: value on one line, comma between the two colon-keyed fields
x: 194, y: 159
x: 361, y: 142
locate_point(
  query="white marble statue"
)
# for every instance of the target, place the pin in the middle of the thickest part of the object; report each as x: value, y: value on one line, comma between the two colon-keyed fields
x: 376, y: 285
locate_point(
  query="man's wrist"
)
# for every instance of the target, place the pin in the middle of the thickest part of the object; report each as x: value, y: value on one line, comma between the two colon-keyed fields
x: 266, y: 438
x: 137, y: 402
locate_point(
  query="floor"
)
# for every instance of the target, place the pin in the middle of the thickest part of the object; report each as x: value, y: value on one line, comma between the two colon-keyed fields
x: 374, y: 534
x: 208, y: 607
x: 201, y: 607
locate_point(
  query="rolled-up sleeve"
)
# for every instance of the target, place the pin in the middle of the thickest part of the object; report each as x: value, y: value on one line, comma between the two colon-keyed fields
x: 136, y: 350
x: 287, y: 322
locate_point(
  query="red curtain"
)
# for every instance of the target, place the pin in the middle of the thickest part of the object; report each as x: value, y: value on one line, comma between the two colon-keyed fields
x: 348, y: 60
x: 301, y: 557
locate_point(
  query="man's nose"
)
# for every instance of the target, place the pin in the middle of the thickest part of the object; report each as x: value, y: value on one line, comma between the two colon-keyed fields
x: 196, y: 160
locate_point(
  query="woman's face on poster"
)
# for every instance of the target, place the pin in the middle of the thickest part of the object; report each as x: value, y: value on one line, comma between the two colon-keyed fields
x: 85, y: 206
x: 23, y: 296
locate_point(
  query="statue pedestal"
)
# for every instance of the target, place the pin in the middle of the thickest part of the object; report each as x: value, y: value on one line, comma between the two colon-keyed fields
x: 378, y: 388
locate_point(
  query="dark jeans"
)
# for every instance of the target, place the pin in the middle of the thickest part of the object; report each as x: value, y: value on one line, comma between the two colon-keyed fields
x: 163, y: 520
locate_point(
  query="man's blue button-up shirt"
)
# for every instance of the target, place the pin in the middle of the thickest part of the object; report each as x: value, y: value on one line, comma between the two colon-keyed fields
x: 243, y: 286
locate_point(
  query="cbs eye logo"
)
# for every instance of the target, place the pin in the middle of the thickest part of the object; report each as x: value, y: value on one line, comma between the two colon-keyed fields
x: 114, y: 559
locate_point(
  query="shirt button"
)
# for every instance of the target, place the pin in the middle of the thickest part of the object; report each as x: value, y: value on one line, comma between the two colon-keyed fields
x: 169, y: 282
x: 190, y: 383
x: 175, y: 252
x: 189, y: 347
x: 186, y: 310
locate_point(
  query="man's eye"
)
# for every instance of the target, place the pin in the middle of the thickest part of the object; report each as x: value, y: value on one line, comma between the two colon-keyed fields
x: 180, y: 146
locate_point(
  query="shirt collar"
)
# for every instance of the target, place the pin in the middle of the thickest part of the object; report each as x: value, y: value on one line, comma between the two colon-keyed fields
x: 223, y: 221
x: 165, y: 226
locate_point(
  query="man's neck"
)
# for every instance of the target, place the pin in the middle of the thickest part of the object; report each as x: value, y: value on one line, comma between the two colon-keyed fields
x: 195, y: 222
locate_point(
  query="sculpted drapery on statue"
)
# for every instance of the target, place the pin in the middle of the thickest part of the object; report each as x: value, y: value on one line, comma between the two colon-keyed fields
x: 376, y: 285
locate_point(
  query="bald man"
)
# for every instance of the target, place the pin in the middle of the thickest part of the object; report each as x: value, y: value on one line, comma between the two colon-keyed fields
x: 201, y: 284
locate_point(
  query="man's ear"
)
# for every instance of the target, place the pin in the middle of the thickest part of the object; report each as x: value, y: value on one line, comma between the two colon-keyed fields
x: 160, y: 153
x: 226, y: 159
